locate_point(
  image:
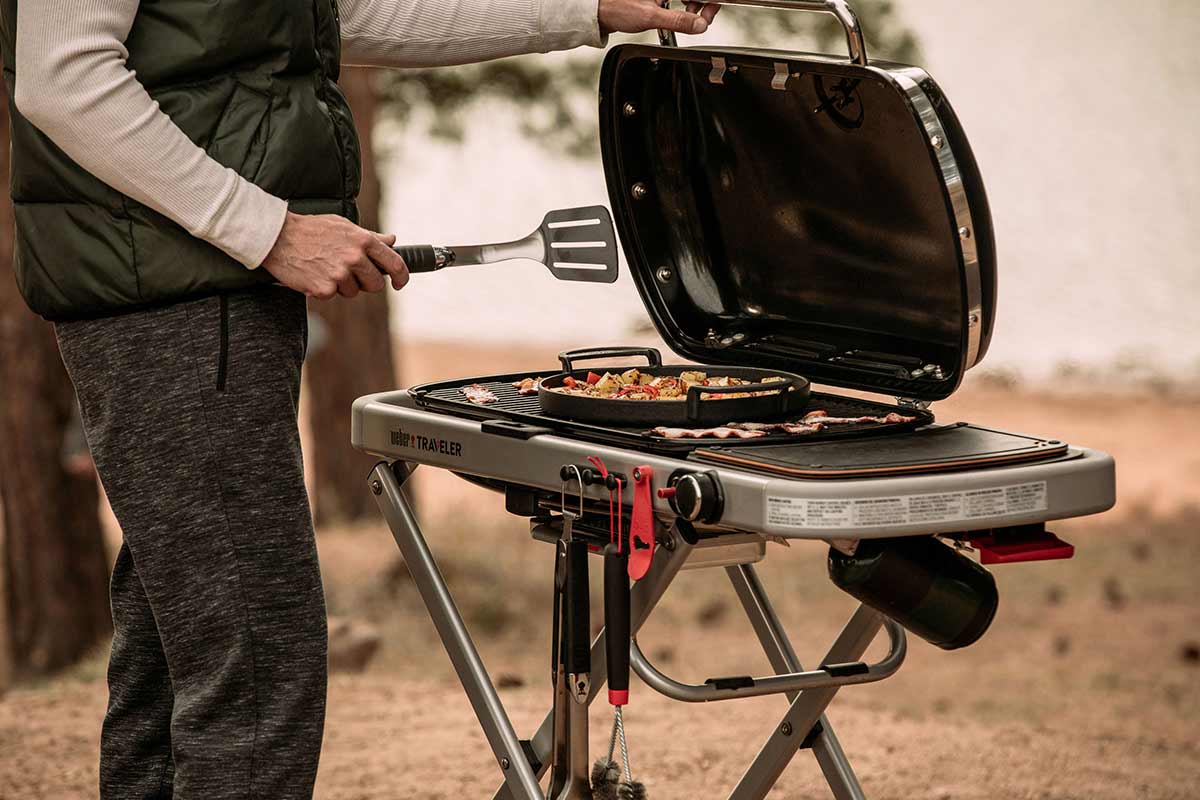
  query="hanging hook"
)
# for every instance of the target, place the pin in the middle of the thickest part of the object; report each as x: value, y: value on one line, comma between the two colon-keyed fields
x: 562, y: 503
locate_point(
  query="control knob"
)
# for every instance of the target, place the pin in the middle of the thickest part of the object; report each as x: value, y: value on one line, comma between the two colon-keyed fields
x: 696, y: 496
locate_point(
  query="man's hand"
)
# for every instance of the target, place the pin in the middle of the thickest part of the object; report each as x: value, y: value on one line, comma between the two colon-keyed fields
x: 636, y: 16
x: 326, y: 255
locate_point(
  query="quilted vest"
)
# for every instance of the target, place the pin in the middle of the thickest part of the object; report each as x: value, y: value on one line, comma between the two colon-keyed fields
x: 253, y: 82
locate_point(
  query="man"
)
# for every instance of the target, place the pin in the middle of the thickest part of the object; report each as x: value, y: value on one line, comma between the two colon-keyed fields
x: 183, y: 175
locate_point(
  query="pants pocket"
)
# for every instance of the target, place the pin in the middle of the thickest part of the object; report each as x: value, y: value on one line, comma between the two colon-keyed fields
x: 223, y: 343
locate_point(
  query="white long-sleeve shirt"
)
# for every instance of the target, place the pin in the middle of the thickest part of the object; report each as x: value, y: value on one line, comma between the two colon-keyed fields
x: 74, y: 85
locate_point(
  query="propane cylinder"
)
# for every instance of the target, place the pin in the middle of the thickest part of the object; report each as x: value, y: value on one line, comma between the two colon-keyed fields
x: 926, y: 586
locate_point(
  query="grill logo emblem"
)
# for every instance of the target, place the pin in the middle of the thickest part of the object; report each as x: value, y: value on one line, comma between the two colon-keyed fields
x: 426, y: 444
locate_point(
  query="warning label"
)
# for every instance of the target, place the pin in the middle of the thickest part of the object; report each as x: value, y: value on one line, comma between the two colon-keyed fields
x: 790, y: 512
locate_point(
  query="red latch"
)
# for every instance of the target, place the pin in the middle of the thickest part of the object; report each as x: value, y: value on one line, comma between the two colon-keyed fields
x: 1023, y: 543
x: 641, y: 524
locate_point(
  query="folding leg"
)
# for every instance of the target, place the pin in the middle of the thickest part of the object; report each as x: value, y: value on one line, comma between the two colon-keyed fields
x: 825, y: 746
x: 519, y: 777
x: 806, y: 709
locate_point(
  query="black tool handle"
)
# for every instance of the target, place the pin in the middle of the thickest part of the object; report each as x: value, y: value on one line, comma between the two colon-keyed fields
x: 616, y: 622
x: 578, y: 634
x: 419, y: 257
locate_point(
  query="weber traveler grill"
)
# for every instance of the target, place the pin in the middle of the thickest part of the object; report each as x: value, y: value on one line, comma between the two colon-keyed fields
x: 789, y: 215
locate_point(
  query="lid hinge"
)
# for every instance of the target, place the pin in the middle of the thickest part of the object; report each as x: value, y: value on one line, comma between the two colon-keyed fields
x: 912, y: 402
x: 934, y: 371
x: 719, y: 341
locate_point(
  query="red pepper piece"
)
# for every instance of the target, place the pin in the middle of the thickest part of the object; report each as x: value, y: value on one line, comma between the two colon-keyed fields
x: 641, y: 524
x: 593, y: 378
x: 570, y: 382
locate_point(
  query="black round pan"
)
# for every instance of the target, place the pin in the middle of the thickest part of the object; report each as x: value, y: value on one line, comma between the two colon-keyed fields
x: 703, y: 407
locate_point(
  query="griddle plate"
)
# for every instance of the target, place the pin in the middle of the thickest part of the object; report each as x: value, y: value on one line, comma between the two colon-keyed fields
x: 446, y: 396
x: 944, y: 448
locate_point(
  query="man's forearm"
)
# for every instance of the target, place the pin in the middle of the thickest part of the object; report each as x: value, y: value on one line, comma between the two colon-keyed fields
x: 430, y: 33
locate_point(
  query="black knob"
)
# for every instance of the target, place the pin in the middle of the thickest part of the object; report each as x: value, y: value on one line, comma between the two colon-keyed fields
x: 697, y: 497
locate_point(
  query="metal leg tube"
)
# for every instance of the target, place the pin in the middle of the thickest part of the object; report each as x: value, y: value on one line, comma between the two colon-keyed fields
x: 518, y: 774
x: 775, y: 643
x: 578, y: 781
x: 643, y: 598
x: 805, y: 710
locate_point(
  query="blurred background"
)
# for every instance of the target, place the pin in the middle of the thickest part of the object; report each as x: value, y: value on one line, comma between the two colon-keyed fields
x: 1083, y: 117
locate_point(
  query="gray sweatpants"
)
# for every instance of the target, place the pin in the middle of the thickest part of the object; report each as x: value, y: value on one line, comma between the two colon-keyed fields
x: 218, y: 668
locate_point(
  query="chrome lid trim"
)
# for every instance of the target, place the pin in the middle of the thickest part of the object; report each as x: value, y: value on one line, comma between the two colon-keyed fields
x: 909, y: 79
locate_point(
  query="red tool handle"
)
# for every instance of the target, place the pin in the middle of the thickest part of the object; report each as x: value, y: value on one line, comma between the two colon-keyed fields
x: 641, y: 524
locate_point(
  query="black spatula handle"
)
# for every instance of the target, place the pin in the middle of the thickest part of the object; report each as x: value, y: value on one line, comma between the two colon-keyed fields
x: 420, y: 257
x: 616, y: 618
x: 578, y: 633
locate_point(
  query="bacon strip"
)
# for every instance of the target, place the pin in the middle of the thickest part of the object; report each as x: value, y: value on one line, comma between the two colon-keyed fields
x: 724, y: 432
x: 479, y: 395
x: 815, y: 421
x: 823, y: 418
x: 527, y: 385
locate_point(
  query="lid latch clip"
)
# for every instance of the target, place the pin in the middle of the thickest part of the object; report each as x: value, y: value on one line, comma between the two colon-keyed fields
x: 719, y: 68
x: 780, y: 79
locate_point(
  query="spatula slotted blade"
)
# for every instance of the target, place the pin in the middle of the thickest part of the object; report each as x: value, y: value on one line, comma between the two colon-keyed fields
x: 581, y: 244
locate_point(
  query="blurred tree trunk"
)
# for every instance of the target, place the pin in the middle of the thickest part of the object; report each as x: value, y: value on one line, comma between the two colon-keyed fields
x: 52, y: 555
x: 356, y: 357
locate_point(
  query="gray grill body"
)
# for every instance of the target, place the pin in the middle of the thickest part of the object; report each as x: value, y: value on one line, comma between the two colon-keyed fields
x: 391, y: 425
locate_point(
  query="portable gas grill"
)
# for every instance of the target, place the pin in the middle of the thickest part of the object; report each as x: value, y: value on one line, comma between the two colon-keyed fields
x: 781, y: 213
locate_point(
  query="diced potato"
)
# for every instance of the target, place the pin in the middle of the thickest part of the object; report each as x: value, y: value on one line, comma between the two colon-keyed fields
x: 630, y: 376
x: 608, y: 383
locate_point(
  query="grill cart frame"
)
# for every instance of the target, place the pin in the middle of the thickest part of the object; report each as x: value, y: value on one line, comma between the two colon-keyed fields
x: 526, y: 461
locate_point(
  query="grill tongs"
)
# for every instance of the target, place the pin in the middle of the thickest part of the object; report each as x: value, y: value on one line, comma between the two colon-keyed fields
x: 576, y: 244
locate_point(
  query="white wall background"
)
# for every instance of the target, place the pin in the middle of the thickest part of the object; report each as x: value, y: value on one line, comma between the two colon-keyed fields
x: 1084, y: 116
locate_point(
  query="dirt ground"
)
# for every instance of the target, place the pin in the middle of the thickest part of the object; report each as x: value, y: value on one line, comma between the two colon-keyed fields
x: 1087, y: 686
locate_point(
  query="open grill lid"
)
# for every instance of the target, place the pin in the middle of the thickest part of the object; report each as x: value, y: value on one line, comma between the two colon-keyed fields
x: 801, y: 212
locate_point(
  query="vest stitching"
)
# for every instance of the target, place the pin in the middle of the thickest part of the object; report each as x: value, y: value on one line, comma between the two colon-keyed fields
x: 133, y: 254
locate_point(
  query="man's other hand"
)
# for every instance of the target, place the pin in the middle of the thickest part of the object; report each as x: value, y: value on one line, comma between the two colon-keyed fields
x: 636, y: 16
x: 326, y: 255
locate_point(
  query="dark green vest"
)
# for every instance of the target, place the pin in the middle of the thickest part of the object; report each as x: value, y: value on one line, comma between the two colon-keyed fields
x: 250, y: 81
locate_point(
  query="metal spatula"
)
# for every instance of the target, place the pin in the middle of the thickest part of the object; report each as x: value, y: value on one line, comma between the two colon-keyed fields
x: 576, y: 244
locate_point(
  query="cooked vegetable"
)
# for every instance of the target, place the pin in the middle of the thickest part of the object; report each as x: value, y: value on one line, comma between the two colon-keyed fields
x: 633, y: 384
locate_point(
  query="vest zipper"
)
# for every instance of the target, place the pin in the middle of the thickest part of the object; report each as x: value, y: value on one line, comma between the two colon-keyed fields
x: 324, y: 95
x: 223, y: 347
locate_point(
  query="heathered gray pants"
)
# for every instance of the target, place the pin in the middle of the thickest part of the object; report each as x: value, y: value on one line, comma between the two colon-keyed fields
x: 218, y: 668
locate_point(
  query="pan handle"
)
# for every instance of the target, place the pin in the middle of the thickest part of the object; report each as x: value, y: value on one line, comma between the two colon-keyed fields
x: 695, y: 392
x: 838, y: 8
x: 568, y: 357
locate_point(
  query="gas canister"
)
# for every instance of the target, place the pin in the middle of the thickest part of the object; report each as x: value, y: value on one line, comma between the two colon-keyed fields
x: 926, y: 586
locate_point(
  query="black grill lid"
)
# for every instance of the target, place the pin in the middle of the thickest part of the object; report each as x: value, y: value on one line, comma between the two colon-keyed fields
x: 800, y: 212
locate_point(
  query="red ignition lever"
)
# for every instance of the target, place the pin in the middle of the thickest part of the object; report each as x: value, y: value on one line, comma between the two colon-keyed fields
x: 641, y: 524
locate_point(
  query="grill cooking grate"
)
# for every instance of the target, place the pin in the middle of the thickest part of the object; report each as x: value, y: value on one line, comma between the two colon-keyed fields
x: 447, y: 396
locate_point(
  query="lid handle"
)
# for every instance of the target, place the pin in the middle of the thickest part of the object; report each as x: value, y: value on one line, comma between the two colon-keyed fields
x: 838, y: 8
